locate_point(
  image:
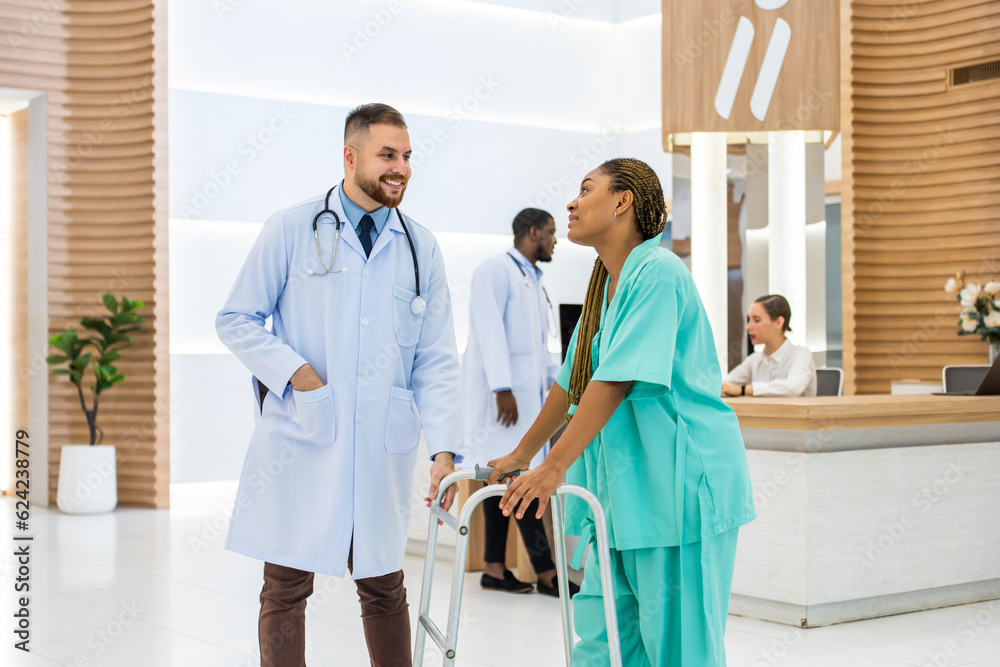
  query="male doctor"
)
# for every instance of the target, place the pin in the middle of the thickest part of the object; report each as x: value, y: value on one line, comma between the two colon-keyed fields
x: 360, y: 355
x: 506, y: 372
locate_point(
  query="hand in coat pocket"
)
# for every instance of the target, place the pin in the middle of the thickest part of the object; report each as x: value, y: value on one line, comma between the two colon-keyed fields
x: 310, y: 417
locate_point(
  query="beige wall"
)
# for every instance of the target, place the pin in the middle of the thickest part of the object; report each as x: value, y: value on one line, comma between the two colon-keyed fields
x: 102, y: 67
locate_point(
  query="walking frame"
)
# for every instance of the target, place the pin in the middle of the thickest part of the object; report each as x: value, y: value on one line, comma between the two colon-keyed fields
x: 449, y: 643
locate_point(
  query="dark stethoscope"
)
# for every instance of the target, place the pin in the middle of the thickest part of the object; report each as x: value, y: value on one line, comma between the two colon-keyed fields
x: 418, y: 305
x: 529, y: 283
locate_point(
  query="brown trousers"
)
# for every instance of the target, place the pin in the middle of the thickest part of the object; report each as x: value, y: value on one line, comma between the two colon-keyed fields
x: 282, y: 626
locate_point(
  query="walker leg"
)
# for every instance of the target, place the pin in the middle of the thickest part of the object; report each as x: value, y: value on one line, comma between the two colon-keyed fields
x: 607, y: 576
x: 562, y: 572
x: 457, y: 584
x: 425, y: 592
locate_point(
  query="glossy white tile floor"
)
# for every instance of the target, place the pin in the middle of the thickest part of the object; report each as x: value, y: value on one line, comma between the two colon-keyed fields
x: 140, y: 588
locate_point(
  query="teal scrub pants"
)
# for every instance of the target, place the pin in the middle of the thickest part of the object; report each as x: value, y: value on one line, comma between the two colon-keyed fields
x: 672, y: 605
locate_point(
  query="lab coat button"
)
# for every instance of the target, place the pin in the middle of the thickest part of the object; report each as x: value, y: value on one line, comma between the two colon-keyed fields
x: 364, y: 321
x: 366, y: 273
x: 359, y: 418
x: 362, y: 370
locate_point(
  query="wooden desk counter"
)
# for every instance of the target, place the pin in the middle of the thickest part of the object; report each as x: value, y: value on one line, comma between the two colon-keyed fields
x: 871, y: 411
x: 868, y: 506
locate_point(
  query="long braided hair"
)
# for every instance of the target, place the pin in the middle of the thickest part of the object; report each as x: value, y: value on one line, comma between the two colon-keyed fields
x: 626, y: 174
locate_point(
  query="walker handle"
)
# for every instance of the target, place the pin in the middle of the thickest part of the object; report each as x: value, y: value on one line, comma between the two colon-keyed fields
x: 483, y: 473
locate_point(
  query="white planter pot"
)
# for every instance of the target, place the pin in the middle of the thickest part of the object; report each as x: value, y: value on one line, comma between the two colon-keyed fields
x: 88, y: 479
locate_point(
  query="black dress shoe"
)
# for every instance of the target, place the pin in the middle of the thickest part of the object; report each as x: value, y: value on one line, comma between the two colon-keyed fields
x: 553, y: 590
x: 509, y: 583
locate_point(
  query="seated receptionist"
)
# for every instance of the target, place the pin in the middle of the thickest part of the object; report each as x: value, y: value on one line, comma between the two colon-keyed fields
x: 781, y: 368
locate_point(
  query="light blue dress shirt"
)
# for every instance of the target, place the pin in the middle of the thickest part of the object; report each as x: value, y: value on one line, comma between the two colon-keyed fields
x: 355, y: 213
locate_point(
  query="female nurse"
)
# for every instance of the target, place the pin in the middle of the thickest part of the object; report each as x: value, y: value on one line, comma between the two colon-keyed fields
x: 648, y: 434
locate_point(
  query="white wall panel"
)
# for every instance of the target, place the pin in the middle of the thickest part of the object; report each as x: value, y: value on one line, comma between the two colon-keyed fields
x: 211, y: 417
x: 426, y: 57
x: 236, y: 158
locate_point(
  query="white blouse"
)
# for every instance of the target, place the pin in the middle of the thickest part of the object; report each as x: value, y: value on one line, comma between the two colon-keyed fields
x: 789, y: 371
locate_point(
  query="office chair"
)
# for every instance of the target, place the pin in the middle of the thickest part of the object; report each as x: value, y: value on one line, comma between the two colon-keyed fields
x: 829, y: 382
x: 963, y: 378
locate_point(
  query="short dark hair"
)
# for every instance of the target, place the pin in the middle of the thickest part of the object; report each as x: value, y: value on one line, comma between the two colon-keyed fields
x: 776, y: 306
x: 527, y: 219
x: 361, y: 118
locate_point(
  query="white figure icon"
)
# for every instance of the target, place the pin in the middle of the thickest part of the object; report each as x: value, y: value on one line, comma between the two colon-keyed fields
x: 770, y: 68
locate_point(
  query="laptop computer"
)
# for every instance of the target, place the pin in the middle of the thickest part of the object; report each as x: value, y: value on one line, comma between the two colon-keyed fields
x: 990, y: 386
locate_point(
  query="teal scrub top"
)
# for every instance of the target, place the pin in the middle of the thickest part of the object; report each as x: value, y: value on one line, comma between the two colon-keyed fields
x: 670, y: 467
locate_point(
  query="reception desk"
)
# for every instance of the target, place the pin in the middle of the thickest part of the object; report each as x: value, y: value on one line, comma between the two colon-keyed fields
x: 868, y: 506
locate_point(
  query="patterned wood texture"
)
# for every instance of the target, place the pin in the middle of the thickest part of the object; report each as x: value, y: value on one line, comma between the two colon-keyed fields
x: 921, y: 187
x: 102, y: 65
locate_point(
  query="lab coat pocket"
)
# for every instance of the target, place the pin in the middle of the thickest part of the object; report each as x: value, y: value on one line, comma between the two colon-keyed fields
x: 523, y: 371
x: 405, y: 323
x: 310, y: 417
x: 402, y: 426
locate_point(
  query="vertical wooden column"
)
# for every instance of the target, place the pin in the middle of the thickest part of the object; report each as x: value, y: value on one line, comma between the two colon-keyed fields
x: 100, y: 65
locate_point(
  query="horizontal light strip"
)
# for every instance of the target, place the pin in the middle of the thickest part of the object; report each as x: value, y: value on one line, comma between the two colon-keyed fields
x: 330, y: 98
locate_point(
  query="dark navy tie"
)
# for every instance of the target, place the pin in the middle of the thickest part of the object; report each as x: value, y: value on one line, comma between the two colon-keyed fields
x: 365, y: 231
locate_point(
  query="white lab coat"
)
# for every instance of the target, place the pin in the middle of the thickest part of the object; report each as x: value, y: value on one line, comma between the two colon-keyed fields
x: 507, y: 348
x: 337, y: 462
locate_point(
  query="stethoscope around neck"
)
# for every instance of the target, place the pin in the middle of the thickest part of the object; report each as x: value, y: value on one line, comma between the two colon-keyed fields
x: 417, y: 305
x: 529, y: 283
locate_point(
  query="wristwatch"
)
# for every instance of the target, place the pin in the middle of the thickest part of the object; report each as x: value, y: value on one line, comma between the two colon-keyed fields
x: 743, y: 390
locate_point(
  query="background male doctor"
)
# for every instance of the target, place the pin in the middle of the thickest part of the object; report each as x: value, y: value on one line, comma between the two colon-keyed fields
x: 348, y: 373
x: 506, y: 372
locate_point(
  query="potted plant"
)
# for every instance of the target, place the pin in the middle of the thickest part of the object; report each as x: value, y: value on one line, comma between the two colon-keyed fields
x: 88, y: 479
x: 980, y: 310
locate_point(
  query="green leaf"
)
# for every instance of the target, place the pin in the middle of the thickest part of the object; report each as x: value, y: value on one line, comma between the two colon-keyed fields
x: 61, y: 371
x: 98, y: 325
x: 110, y: 356
x: 56, y: 359
x: 110, y: 303
x: 82, y: 361
x: 117, y: 378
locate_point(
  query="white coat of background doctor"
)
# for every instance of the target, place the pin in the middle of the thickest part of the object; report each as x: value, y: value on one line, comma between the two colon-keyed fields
x: 507, y: 371
x: 354, y: 371
x: 507, y: 368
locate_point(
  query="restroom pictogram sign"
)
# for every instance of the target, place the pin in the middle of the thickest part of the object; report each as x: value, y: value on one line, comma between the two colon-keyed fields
x: 751, y: 65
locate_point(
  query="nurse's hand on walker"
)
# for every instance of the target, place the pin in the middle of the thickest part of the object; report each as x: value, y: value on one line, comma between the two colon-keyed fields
x: 539, y: 483
x: 505, y: 464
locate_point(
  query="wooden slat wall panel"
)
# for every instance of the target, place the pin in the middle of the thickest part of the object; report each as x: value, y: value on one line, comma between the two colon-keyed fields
x: 102, y: 65
x: 921, y: 181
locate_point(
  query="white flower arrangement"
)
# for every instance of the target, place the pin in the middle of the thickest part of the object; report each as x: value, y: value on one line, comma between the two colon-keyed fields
x: 980, y: 307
